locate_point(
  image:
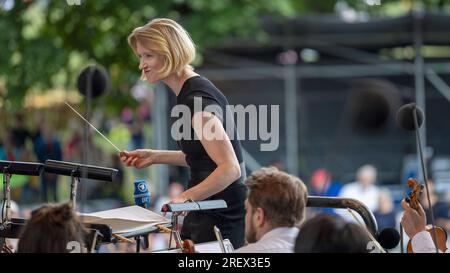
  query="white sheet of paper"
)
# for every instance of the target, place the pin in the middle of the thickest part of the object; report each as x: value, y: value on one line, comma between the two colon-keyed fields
x: 126, y: 219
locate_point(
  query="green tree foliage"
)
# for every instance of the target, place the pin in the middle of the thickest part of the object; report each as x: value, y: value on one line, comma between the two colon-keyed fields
x: 46, y: 43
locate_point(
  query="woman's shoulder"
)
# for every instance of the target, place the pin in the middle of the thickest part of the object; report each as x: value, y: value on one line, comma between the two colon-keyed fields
x: 199, y: 83
x: 199, y: 86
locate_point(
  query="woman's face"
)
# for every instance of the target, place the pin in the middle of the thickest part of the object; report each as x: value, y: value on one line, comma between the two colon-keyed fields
x: 149, y: 62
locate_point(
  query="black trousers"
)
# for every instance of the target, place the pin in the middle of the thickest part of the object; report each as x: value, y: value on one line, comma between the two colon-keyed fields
x: 198, y: 226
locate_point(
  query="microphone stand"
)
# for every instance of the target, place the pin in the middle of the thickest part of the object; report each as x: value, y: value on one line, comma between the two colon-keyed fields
x: 401, y: 239
x: 6, y: 221
x: 145, y: 242
x: 87, y: 141
x: 73, y: 188
x: 425, y: 175
x: 6, y: 205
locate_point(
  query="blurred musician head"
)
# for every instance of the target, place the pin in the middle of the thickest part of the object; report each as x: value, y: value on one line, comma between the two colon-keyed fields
x: 52, y: 229
x: 330, y: 233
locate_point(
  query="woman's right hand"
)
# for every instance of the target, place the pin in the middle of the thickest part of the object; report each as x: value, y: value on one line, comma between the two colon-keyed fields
x: 139, y: 158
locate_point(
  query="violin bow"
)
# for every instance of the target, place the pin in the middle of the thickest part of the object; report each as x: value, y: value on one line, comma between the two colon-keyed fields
x: 425, y: 175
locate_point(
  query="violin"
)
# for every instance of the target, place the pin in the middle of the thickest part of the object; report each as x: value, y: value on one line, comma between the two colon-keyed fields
x: 188, y: 246
x: 413, y: 200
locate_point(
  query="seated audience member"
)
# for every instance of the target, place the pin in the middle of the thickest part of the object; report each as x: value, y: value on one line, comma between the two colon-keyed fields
x: 52, y: 229
x: 385, y: 214
x: 440, y: 208
x: 322, y: 184
x: 330, y: 233
x: 275, y: 207
x: 364, y: 190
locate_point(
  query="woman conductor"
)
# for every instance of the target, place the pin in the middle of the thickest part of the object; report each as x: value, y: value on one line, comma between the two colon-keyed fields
x: 165, y: 51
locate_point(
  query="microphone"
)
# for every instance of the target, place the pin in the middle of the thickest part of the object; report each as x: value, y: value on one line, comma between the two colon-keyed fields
x: 405, y: 117
x: 93, y: 77
x: 142, y: 199
x: 389, y: 238
x: 141, y: 194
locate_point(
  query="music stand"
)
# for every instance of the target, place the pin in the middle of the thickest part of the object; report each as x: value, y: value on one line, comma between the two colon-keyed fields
x: 77, y: 171
x: 190, y: 205
x: 9, y: 168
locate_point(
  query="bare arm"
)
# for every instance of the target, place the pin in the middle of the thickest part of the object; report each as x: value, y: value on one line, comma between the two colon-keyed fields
x: 218, y: 147
x: 177, y: 158
x: 142, y: 158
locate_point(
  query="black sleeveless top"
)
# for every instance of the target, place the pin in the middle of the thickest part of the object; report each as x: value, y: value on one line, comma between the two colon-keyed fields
x: 197, y: 94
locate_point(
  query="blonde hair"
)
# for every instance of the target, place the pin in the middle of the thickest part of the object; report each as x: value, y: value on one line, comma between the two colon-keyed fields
x: 168, y: 38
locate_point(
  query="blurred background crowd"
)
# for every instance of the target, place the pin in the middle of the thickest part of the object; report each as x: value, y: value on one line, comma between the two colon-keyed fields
x: 339, y: 70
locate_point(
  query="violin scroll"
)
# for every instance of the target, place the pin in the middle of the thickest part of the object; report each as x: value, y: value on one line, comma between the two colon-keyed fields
x: 188, y: 246
x: 438, y: 234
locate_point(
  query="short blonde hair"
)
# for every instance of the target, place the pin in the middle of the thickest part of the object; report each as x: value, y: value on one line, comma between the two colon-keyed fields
x: 168, y: 38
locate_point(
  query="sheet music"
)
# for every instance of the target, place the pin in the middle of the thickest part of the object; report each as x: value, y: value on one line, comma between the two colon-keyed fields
x: 126, y: 219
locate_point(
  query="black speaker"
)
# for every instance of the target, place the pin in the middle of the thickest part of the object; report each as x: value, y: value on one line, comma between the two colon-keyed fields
x: 96, y: 77
x: 373, y: 104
